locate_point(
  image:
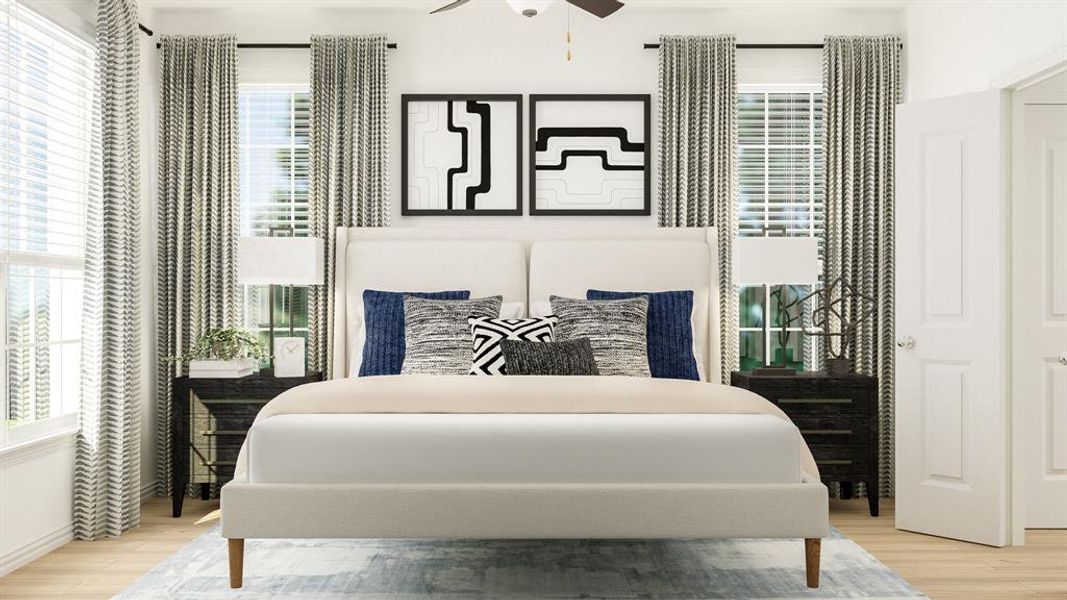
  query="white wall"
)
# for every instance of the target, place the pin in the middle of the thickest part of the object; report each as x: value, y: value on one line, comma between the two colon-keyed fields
x: 959, y: 47
x: 487, y: 48
x: 36, y: 500
x: 149, y: 357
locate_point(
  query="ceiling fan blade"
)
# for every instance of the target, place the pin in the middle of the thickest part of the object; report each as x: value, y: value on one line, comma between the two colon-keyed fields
x: 600, y: 8
x: 450, y: 6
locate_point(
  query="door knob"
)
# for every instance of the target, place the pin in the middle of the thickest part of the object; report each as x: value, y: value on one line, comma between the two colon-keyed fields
x: 1063, y: 358
x: 906, y: 343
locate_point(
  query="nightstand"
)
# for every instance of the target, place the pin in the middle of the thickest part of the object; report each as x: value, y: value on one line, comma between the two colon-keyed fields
x: 838, y: 417
x: 209, y: 421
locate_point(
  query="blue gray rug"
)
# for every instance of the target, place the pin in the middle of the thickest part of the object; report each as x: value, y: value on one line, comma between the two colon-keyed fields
x: 519, y: 570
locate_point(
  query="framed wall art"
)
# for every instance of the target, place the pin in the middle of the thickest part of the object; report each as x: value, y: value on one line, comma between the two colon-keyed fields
x: 590, y: 154
x: 461, y: 154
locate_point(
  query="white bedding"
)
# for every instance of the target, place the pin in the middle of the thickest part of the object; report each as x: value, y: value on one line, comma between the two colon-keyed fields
x: 524, y: 448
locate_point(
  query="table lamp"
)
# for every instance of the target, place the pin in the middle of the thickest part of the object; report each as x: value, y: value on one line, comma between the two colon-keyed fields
x: 275, y: 261
x: 781, y: 261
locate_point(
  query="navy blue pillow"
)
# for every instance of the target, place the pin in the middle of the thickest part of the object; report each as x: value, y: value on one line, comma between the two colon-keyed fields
x: 383, y: 316
x: 670, y: 331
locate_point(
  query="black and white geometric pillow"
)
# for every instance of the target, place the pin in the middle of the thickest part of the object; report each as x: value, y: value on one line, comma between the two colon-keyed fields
x: 488, y: 358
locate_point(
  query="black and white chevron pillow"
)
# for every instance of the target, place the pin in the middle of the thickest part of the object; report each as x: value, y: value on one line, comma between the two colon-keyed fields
x: 487, y: 333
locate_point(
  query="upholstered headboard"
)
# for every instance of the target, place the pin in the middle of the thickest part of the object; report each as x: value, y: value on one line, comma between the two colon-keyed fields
x: 524, y: 265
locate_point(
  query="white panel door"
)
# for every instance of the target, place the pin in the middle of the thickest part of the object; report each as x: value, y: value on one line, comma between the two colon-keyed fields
x: 1040, y: 313
x: 951, y: 422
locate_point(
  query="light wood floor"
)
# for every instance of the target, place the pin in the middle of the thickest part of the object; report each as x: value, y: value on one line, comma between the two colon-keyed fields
x: 940, y: 568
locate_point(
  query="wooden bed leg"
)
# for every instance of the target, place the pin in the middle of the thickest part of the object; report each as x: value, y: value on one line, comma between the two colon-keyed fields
x: 811, y: 560
x: 237, y: 562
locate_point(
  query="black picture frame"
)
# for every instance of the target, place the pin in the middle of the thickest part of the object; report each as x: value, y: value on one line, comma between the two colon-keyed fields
x: 405, y: 100
x: 645, y: 99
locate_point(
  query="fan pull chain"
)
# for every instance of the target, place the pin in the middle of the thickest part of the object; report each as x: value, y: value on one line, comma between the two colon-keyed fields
x: 568, y: 33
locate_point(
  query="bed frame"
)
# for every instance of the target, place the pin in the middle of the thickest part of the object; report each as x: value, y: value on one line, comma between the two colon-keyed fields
x: 510, y: 511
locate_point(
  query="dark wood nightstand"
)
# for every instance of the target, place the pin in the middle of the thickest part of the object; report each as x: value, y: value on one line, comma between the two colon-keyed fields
x: 838, y: 417
x: 209, y: 421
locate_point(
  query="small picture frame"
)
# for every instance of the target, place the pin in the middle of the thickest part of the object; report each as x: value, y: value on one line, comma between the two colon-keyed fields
x: 290, y: 357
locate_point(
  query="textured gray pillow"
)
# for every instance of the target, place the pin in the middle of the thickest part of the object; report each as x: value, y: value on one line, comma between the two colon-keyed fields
x: 617, y: 331
x: 437, y: 336
x: 549, y: 358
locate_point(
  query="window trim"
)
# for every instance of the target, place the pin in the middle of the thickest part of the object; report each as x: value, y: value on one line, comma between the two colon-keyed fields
x: 13, y: 437
x: 28, y: 436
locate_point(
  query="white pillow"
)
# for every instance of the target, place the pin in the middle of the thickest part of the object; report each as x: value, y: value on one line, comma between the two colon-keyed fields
x: 508, y: 310
x: 540, y: 309
x: 512, y: 310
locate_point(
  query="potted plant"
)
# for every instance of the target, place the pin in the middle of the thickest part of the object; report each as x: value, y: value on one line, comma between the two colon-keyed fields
x: 227, y: 353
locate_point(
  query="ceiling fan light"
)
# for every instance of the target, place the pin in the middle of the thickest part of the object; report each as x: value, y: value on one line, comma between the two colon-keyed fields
x: 529, y: 8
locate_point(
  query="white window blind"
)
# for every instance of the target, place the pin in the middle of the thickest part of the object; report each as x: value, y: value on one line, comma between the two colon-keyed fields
x: 274, y: 129
x: 47, y: 118
x: 780, y: 188
x: 779, y: 163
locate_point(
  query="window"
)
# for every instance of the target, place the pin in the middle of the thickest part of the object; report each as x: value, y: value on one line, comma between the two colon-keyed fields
x: 780, y: 189
x: 47, y: 103
x: 274, y: 129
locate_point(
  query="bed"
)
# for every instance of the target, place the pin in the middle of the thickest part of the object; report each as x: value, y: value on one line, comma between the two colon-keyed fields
x: 523, y: 457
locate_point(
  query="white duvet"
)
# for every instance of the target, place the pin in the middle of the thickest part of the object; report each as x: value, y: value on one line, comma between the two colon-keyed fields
x: 427, y: 394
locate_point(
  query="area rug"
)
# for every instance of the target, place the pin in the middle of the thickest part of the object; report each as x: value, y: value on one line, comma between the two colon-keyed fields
x: 519, y: 570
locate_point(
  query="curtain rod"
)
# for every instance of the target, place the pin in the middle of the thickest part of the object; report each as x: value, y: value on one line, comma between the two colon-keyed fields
x: 258, y: 46
x: 150, y: 33
x: 761, y: 46
x: 649, y: 46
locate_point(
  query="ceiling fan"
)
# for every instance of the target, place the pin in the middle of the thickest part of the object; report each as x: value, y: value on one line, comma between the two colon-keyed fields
x: 531, y: 8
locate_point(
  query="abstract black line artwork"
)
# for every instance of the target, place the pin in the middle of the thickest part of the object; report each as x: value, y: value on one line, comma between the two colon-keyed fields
x: 589, y: 155
x: 461, y: 154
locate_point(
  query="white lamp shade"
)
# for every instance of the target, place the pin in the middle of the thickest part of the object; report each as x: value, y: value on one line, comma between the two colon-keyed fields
x: 776, y: 261
x: 280, y: 261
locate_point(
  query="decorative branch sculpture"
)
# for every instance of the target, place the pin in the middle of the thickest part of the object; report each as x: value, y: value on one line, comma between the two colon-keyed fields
x: 830, y: 320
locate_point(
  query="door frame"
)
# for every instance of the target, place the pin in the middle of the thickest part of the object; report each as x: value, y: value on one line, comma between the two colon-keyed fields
x: 1017, y: 80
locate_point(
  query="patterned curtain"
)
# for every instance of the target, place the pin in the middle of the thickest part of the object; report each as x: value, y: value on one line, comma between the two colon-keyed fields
x: 349, y: 160
x: 107, y: 456
x: 698, y: 156
x: 198, y: 207
x: 861, y: 88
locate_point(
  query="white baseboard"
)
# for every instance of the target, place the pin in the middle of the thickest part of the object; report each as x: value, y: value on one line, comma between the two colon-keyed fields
x: 148, y: 491
x: 36, y: 549
x: 53, y: 540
